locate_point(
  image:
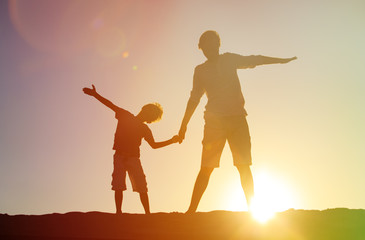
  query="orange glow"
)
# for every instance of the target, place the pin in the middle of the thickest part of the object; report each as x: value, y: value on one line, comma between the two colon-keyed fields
x: 125, y: 54
x: 271, y: 196
x: 110, y: 42
x: 305, y: 119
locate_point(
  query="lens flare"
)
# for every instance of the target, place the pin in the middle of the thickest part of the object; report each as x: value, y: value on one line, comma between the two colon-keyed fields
x: 261, y: 211
x: 110, y: 42
x: 97, y: 23
x: 59, y: 27
x: 125, y: 54
x: 271, y: 196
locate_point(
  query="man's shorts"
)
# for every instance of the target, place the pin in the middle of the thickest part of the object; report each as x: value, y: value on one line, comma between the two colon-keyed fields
x: 217, y: 131
x: 132, y: 165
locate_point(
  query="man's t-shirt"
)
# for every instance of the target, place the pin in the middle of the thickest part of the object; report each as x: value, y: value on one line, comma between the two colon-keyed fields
x: 219, y: 80
x: 129, y: 133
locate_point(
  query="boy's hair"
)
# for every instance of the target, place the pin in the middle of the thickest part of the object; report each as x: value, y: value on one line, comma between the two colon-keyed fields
x: 209, y: 36
x: 153, y: 110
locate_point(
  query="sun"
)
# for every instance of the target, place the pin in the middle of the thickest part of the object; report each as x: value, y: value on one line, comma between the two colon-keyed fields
x: 272, y: 195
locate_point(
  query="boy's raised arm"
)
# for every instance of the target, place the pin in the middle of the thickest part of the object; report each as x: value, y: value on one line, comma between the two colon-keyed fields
x: 106, y: 102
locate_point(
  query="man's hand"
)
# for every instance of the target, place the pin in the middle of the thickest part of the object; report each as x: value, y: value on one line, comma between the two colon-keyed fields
x: 182, y: 134
x: 286, y: 60
x: 90, y: 91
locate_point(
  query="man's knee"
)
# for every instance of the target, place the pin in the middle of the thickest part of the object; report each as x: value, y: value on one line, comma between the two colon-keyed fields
x: 244, y: 169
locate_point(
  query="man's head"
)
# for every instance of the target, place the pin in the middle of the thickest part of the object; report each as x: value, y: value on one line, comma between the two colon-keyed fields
x: 151, y: 112
x: 209, y: 43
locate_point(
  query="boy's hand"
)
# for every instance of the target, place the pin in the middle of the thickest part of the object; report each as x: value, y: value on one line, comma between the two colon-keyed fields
x: 90, y: 91
x: 175, y: 139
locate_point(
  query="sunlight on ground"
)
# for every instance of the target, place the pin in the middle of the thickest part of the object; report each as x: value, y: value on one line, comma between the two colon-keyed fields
x: 261, y: 212
x: 271, y: 195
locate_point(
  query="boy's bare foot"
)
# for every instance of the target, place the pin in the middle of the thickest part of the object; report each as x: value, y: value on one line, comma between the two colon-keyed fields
x: 118, y: 213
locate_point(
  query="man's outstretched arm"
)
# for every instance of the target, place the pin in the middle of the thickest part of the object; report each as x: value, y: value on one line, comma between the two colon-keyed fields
x: 262, y: 60
x: 106, y: 102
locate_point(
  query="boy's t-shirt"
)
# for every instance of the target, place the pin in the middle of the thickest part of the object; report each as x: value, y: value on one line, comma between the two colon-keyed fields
x: 129, y: 133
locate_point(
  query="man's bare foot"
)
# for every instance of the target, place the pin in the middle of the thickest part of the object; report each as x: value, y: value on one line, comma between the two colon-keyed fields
x: 190, y: 211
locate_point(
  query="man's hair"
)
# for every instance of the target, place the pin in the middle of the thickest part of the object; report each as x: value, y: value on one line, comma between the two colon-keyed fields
x: 153, y: 110
x: 209, y: 36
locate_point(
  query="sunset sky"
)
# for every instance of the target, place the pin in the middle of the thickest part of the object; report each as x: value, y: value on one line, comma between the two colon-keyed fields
x: 306, y: 117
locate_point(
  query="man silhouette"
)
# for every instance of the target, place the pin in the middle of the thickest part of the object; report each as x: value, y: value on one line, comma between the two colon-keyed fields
x: 225, y: 115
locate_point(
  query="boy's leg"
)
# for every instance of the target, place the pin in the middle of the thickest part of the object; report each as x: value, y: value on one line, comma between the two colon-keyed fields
x: 145, y: 202
x: 201, y: 184
x: 118, y: 181
x: 138, y: 181
x: 118, y: 196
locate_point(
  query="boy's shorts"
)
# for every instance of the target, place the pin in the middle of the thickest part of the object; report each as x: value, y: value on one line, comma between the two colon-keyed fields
x: 217, y: 131
x: 132, y: 165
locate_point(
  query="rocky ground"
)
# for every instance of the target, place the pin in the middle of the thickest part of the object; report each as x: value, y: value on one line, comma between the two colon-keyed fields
x: 292, y: 224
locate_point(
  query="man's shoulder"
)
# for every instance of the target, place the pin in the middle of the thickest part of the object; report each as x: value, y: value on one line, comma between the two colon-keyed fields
x: 229, y: 55
x: 238, y: 61
x: 200, y: 66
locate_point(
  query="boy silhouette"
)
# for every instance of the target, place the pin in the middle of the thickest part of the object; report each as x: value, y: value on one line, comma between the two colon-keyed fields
x: 225, y: 115
x: 128, y: 136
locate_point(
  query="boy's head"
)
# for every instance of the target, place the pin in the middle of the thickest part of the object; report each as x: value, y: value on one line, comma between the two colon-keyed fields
x: 209, y: 43
x: 151, y: 112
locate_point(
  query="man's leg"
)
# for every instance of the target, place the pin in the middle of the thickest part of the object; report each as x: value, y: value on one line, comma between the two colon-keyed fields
x: 239, y: 141
x: 118, y: 196
x: 246, y: 182
x: 201, y: 184
x: 213, y: 144
x: 145, y: 202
